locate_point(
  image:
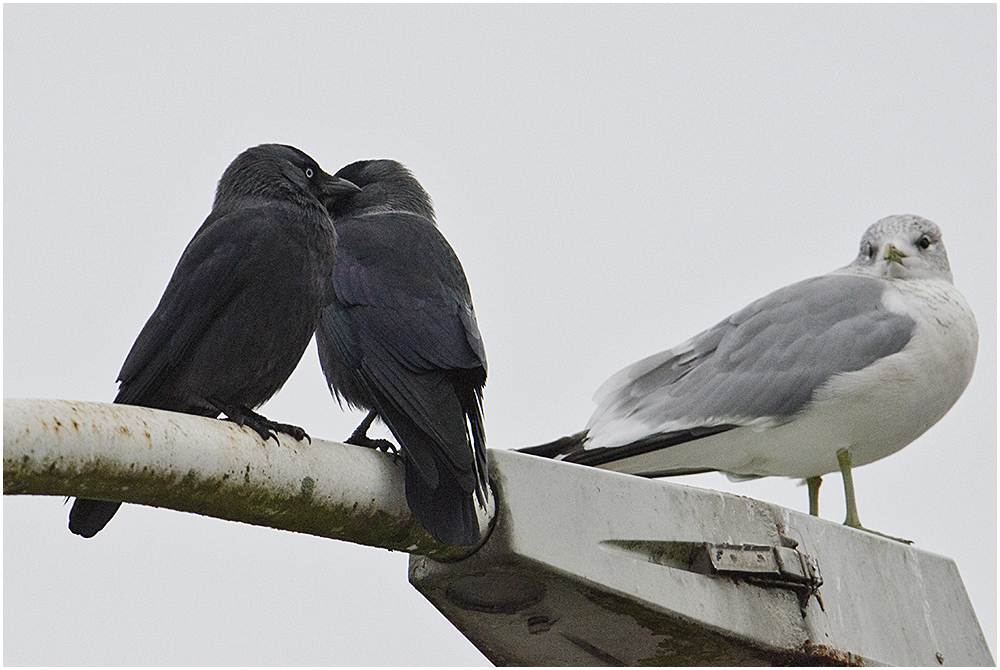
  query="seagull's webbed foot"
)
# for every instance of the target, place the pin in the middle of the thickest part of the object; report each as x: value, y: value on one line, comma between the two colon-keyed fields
x: 244, y: 416
x: 852, y: 520
x: 875, y: 532
x: 360, y: 438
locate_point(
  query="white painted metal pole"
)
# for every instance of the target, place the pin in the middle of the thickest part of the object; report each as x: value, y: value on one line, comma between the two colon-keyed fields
x: 584, y: 567
x: 211, y: 467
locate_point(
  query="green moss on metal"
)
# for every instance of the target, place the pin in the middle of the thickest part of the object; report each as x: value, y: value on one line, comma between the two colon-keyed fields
x: 251, y: 502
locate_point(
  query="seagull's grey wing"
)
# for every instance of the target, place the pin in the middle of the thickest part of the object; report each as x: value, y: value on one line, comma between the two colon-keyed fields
x: 759, y: 366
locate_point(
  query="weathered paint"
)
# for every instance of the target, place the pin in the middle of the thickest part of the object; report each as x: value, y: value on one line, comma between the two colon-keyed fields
x: 193, y: 464
x: 589, y: 567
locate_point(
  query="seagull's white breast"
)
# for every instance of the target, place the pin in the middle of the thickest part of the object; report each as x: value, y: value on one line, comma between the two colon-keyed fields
x: 873, y: 412
x: 879, y: 410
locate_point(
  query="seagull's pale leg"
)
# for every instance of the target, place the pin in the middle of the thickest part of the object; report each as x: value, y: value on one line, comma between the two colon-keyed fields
x: 814, y: 483
x: 852, y: 520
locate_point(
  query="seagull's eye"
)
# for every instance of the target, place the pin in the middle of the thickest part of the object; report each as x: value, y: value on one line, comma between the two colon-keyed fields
x: 924, y: 242
x: 309, y: 173
x: 870, y: 252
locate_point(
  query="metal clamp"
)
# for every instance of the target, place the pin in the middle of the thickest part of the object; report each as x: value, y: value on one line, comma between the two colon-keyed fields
x: 766, y: 565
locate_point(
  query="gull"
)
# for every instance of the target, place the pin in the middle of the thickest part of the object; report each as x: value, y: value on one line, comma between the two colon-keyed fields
x: 826, y: 374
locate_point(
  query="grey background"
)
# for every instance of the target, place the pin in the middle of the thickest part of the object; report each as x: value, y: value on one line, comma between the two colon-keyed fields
x: 614, y: 179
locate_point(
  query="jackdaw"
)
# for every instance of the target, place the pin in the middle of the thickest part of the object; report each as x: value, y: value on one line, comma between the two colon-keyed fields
x: 399, y: 337
x: 241, y: 305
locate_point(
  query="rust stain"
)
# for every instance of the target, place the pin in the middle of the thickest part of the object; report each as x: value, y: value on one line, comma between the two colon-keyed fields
x: 821, y: 652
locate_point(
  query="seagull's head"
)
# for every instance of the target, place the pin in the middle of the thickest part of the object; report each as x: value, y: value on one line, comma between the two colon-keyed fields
x: 903, y: 247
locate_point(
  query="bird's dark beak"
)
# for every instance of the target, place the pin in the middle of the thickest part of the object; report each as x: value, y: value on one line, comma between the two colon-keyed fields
x: 336, y: 186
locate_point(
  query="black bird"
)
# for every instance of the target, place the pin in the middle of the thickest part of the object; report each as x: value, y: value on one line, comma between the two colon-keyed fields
x: 241, y: 305
x: 399, y: 337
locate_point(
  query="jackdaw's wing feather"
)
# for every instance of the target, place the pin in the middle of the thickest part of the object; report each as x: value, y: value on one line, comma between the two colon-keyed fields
x: 399, y: 289
x: 216, y: 265
x: 401, y: 267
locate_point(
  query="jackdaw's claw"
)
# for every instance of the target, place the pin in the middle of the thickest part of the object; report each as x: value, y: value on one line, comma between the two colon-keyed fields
x: 243, y: 416
x: 362, y: 440
x: 250, y: 280
x: 288, y: 429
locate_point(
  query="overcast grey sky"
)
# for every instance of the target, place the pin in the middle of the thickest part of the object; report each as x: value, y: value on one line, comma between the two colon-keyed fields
x: 614, y: 179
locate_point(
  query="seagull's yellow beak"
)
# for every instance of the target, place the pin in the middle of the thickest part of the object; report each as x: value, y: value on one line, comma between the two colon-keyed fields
x: 893, y: 255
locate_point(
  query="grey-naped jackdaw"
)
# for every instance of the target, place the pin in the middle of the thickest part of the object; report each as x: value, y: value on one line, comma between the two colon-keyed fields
x: 242, y: 304
x: 399, y: 338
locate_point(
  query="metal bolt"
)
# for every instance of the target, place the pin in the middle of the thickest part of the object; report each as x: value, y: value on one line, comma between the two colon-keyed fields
x: 539, y: 623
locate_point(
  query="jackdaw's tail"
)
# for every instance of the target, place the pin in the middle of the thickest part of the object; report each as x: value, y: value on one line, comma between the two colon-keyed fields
x: 88, y: 517
x: 561, y: 447
x: 447, y: 512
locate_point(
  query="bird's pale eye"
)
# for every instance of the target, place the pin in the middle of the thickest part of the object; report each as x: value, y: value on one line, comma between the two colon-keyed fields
x: 309, y: 173
x: 924, y: 242
x: 870, y: 252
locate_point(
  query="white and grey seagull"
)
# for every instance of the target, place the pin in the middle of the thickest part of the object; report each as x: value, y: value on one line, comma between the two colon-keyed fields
x: 832, y: 372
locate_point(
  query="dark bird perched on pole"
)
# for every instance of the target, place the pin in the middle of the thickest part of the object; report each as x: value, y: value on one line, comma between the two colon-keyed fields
x: 241, y: 305
x: 399, y: 337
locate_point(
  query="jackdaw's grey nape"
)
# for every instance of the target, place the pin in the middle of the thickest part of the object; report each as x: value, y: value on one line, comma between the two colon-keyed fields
x: 241, y: 305
x: 399, y: 338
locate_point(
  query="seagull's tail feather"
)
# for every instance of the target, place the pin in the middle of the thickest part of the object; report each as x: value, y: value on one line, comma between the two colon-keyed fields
x: 88, y: 517
x: 605, y: 456
x: 571, y: 449
x: 561, y: 447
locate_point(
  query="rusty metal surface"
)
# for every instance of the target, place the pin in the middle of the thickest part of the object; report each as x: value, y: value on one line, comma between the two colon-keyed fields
x: 587, y: 567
